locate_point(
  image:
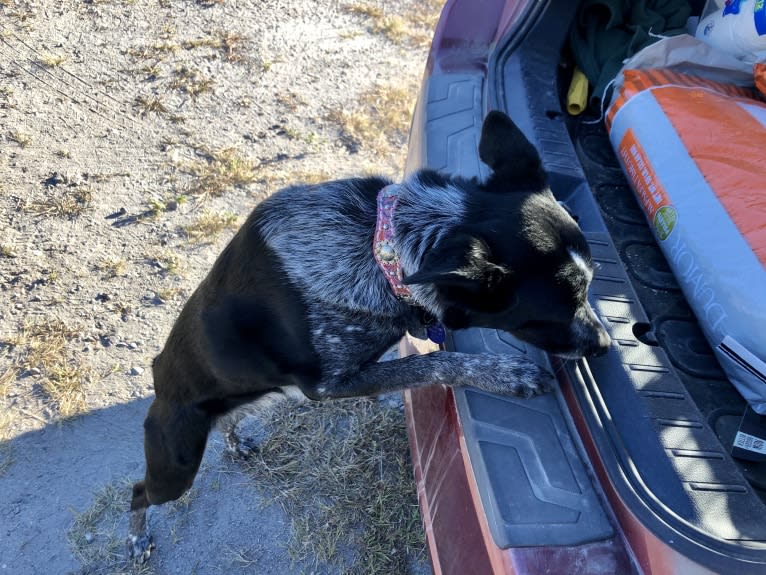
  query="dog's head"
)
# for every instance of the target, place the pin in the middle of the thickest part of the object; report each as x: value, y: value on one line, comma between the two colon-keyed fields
x: 519, y: 263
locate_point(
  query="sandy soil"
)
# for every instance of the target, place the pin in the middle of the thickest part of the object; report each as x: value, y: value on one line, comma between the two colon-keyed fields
x: 134, y: 137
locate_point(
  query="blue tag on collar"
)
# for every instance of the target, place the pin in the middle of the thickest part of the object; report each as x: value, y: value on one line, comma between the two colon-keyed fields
x: 436, y: 333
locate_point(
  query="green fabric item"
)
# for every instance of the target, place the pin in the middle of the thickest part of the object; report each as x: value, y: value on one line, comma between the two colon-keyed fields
x: 607, y: 32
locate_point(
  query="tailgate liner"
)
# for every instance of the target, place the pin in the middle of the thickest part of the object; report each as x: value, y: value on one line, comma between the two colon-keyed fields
x: 650, y: 399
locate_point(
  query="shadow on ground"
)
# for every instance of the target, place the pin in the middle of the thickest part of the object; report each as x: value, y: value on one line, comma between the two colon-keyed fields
x: 63, y: 501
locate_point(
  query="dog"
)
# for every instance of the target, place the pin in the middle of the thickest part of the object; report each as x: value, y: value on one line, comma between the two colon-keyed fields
x: 322, y: 279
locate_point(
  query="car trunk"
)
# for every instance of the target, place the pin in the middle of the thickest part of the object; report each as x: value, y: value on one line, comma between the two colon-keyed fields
x: 653, y: 421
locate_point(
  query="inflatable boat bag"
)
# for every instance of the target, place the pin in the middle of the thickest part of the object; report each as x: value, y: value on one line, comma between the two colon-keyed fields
x: 694, y: 151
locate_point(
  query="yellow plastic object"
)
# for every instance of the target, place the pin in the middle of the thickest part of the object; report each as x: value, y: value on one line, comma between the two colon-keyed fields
x: 578, y: 93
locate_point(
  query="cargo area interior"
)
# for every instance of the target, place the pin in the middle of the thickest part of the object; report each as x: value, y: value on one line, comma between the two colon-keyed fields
x: 662, y: 413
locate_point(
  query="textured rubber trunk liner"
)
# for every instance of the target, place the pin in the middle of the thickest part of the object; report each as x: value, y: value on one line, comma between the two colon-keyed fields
x: 659, y: 370
x: 534, y: 487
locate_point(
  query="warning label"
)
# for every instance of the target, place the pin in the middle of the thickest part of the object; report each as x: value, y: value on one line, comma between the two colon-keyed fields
x: 750, y: 442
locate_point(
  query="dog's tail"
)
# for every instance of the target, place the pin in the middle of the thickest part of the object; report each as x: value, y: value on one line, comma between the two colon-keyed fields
x: 249, y: 341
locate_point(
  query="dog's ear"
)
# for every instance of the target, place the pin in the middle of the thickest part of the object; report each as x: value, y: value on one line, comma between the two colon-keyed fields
x: 512, y: 157
x: 461, y: 261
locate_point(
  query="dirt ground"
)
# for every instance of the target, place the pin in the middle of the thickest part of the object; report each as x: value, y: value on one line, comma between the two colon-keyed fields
x: 135, y: 136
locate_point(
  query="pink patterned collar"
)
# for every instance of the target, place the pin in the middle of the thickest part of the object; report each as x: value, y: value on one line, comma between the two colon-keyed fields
x: 383, y: 243
x: 385, y: 254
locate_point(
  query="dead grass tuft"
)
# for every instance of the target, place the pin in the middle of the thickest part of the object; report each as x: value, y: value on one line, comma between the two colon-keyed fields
x: 7, y: 251
x: 412, y: 27
x: 168, y: 263
x: 158, y: 206
x: 157, y: 51
x: 112, y: 267
x: 43, y: 348
x: 51, y: 60
x: 230, y: 44
x: 341, y: 471
x: 21, y: 138
x: 71, y: 203
x: 206, y: 227
x: 218, y: 171
x: 97, y: 538
x: 381, y: 121
x: 190, y: 81
x: 150, y: 105
x: 276, y: 179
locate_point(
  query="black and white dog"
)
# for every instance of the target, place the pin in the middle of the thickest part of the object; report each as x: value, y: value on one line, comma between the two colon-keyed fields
x: 321, y: 280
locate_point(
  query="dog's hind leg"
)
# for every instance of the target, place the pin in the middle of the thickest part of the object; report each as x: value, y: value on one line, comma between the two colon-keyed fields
x: 244, y: 428
x: 496, y: 373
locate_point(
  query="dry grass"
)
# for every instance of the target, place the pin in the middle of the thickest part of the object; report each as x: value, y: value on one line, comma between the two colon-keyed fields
x: 150, y: 105
x: 21, y: 138
x: 229, y: 44
x: 217, y: 171
x: 43, y: 348
x: 96, y: 537
x: 341, y: 471
x: 156, y: 51
x: 413, y: 27
x: 190, y: 81
x: 207, y: 226
x: 72, y: 202
x: 381, y: 121
x: 169, y: 294
x: 276, y: 179
x: 158, y: 206
x: 51, y: 60
x: 7, y: 251
x: 112, y: 267
x: 167, y: 262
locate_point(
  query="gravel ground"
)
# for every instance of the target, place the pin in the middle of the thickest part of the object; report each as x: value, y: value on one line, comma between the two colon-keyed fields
x: 135, y: 136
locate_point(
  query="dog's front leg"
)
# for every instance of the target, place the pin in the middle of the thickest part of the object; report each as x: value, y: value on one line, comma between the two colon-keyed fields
x: 139, y: 544
x: 504, y: 374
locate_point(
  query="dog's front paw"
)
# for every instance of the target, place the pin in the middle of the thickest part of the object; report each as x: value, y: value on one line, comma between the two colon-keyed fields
x: 140, y: 547
x: 139, y: 543
x: 514, y: 375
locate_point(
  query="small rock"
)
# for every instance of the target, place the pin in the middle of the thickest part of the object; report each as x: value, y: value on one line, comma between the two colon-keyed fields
x: 102, y: 297
x: 54, y: 180
x: 120, y: 344
x: 136, y: 371
x: 133, y: 346
x: 89, y: 537
x: 119, y: 213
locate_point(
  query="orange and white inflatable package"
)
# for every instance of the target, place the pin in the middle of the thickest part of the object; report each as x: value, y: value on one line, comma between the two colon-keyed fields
x: 693, y: 150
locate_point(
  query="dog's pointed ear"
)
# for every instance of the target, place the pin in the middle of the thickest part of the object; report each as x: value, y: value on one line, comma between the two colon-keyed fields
x: 460, y: 261
x: 512, y: 157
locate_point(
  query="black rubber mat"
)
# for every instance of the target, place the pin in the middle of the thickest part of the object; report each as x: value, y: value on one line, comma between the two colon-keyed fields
x: 534, y: 487
x: 670, y: 319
